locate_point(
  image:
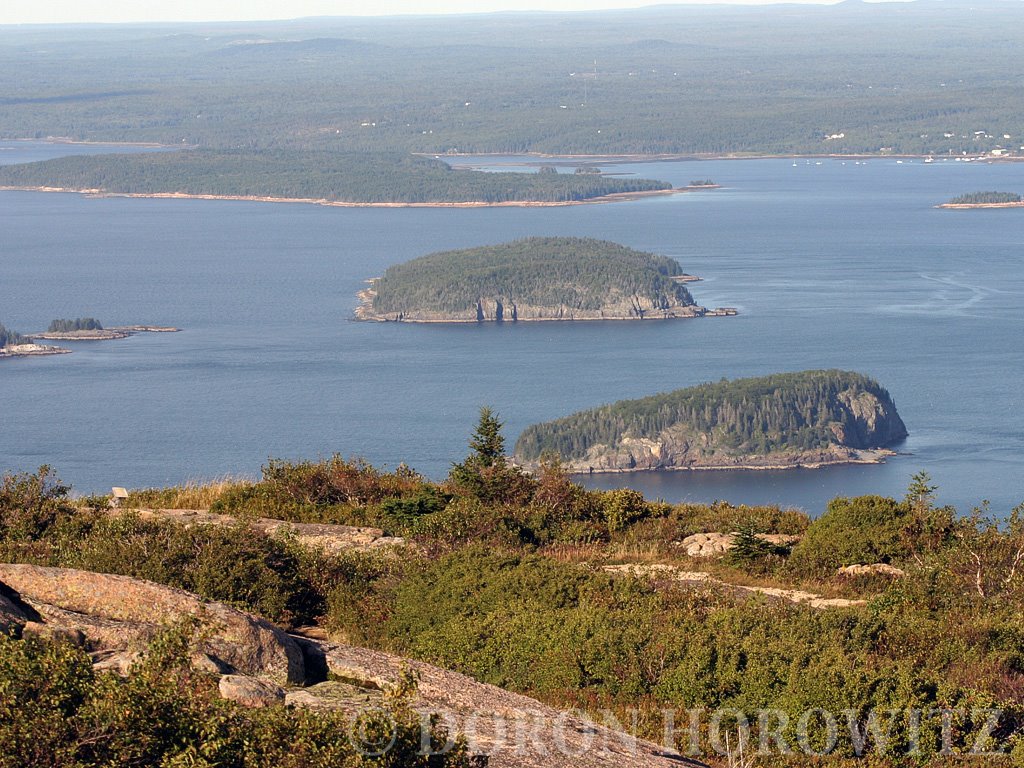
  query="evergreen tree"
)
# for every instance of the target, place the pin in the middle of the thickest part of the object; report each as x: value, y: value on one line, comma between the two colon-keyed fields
x: 486, y: 474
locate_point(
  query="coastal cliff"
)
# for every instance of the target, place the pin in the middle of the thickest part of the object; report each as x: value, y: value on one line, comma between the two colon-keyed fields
x: 808, y: 419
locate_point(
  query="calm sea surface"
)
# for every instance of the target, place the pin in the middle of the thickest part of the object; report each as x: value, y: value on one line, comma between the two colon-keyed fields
x: 831, y: 265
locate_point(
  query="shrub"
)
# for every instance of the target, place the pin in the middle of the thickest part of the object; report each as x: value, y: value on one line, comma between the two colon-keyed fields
x: 866, y: 529
x: 56, y: 712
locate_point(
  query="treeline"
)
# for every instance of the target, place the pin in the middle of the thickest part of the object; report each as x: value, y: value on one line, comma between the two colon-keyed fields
x: 70, y: 326
x: 986, y: 198
x: 9, y: 338
x: 581, y: 273
x: 759, y: 415
x: 319, y: 175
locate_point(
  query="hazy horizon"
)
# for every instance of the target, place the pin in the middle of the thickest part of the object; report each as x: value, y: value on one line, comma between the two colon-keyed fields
x: 71, y: 12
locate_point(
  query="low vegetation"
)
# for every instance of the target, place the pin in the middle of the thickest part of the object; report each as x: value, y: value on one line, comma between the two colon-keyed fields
x: 506, y: 584
x: 56, y: 712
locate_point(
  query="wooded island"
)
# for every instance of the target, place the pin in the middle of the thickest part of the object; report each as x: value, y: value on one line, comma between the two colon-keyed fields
x: 807, y: 419
x: 536, y: 278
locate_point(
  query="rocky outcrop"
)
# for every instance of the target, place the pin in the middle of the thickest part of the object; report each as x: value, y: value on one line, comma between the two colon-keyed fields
x: 494, y: 720
x: 503, y: 309
x: 118, y: 613
x: 250, y: 692
x: 663, y: 572
x: 333, y: 539
x: 13, y: 613
x: 717, y: 544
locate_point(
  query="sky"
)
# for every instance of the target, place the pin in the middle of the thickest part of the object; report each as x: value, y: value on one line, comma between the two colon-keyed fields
x: 109, y: 11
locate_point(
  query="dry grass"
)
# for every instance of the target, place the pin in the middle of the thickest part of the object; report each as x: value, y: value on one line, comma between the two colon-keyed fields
x: 192, y: 495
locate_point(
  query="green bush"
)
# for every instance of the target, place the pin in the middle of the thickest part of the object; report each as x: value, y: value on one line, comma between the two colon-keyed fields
x: 866, y: 529
x: 56, y: 712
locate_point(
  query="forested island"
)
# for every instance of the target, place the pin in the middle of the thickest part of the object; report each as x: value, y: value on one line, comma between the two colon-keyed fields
x: 338, y: 178
x: 985, y: 200
x: 807, y: 419
x: 535, y: 278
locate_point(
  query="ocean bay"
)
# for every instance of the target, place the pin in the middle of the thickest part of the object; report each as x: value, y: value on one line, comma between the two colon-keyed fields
x: 834, y: 265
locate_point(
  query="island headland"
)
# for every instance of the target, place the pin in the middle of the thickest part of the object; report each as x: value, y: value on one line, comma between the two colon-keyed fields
x: 809, y: 419
x: 533, y: 279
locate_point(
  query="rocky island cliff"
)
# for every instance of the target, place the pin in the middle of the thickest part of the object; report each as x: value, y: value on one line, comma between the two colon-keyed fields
x: 537, y: 278
x: 807, y: 419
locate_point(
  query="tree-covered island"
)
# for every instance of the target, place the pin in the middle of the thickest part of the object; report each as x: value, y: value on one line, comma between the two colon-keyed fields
x: 985, y: 200
x: 536, y: 278
x: 339, y: 178
x: 807, y: 419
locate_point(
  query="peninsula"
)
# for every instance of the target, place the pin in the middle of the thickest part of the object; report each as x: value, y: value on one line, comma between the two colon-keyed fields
x: 809, y: 419
x: 533, y: 279
x: 985, y: 200
x: 381, y: 179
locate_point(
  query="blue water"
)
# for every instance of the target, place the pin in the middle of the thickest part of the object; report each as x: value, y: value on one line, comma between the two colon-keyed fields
x: 831, y: 265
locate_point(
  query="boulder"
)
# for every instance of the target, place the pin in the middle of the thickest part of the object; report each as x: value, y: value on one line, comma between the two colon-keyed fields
x: 250, y: 692
x: 707, y: 544
x: 53, y: 634
x: 717, y: 544
x: 248, y: 644
x: 118, y: 662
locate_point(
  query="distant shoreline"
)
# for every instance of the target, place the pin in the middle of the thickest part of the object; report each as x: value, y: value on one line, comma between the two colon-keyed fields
x: 617, y: 197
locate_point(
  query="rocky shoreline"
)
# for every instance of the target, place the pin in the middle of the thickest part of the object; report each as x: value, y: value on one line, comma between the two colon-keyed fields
x: 31, y: 350
x: 488, y: 311
x: 807, y: 460
x: 969, y: 206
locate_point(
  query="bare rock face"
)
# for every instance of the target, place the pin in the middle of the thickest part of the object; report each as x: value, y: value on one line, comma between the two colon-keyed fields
x: 873, y: 421
x: 872, y: 569
x: 118, y: 662
x: 490, y: 717
x: 116, y: 611
x: 13, y: 614
x: 333, y: 539
x: 250, y: 692
x: 717, y: 544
